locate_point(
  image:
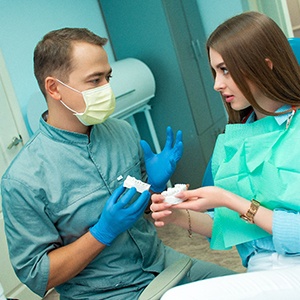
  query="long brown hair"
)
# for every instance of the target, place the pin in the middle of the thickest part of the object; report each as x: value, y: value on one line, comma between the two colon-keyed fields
x: 245, y: 42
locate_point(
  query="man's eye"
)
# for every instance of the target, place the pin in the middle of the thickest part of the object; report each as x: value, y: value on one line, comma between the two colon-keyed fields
x: 108, y: 77
x: 95, y: 81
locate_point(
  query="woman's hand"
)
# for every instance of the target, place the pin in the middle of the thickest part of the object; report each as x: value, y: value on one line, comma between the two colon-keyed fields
x: 165, y: 213
x: 162, y: 212
x: 204, y: 198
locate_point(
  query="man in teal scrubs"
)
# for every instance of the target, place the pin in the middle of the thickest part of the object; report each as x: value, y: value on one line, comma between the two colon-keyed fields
x: 69, y: 222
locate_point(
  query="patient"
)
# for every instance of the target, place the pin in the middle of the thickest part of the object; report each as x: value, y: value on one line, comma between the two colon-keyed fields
x: 255, y: 168
x: 69, y: 222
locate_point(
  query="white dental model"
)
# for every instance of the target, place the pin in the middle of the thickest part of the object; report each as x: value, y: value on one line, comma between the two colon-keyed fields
x: 138, y: 184
x: 171, y: 192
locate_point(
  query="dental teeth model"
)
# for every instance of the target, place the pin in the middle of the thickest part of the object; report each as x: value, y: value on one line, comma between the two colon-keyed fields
x: 138, y: 184
x: 171, y: 192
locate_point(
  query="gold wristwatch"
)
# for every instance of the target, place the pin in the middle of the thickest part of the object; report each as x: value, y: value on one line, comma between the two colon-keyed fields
x: 249, y: 215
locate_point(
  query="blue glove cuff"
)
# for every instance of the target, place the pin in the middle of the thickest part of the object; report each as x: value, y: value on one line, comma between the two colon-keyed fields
x: 157, y: 189
x: 100, y: 236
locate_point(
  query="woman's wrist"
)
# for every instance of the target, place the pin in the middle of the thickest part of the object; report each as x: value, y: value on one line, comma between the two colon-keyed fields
x: 227, y: 199
x: 235, y: 202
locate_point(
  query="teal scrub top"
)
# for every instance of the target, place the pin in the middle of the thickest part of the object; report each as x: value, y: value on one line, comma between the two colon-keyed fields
x: 55, y: 190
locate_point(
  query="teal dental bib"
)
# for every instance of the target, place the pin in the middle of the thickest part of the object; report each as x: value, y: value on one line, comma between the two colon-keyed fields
x: 257, y: 160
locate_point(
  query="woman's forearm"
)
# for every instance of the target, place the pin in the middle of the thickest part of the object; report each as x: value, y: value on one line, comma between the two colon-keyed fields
x: 198, y: 222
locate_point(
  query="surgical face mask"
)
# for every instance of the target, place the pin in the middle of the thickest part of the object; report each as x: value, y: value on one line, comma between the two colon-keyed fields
x: 100, y: 104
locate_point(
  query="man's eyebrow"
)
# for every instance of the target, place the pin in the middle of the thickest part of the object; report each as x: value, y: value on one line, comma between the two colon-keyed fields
x: 99, y: 74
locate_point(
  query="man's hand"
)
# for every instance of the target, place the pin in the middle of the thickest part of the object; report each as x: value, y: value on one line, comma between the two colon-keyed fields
x: 160, y: 167
x: 117, y: 216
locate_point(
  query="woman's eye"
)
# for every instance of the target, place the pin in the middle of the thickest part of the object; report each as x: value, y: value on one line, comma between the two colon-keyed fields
x: 224, y: 70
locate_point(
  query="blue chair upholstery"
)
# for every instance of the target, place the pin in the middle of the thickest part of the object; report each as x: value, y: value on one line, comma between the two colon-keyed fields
x: 295, y: 44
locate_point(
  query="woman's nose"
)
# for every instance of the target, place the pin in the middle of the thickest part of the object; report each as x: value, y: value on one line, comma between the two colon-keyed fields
x: 219, y: 84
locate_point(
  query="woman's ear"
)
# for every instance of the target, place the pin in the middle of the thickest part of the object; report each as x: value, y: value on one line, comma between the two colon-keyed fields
x: 51, y: 88
x: 269, y: 63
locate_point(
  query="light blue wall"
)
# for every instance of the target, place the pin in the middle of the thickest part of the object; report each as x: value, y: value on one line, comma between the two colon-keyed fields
x: 23, y: 23
x: 215, y: 12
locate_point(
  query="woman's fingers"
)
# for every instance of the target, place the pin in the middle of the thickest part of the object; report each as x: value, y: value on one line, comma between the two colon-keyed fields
x: 159, y: 223
x: 157, y: 198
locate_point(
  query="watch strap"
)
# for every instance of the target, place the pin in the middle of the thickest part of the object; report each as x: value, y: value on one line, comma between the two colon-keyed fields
x: 249, y: 215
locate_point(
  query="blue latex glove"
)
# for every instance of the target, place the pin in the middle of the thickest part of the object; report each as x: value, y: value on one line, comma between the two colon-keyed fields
x: 160, y: 167
x: 117, y: 216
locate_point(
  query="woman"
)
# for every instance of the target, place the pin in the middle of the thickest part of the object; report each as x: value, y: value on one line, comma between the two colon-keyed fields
x: 255, y: 165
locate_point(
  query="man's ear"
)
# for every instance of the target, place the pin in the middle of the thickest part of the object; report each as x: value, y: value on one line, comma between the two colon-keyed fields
x: 51, y: 87
x: 269, y: 63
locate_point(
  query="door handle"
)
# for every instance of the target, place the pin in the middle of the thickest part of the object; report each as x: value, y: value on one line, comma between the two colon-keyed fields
x: 15, y: 141
x: 197, y: 49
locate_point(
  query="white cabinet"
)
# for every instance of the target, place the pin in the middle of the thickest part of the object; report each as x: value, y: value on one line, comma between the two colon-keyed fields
x: 13, y: 135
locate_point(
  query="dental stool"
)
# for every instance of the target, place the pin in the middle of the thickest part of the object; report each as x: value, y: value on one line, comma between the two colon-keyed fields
x: 167, y: 279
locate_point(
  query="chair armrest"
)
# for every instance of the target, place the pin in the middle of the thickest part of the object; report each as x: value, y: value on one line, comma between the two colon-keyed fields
x: 167, y: 279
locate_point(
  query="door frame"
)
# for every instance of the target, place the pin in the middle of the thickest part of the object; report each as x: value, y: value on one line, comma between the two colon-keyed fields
x: 12, y: 125
x: 13, y: 102
x: 275, y: 9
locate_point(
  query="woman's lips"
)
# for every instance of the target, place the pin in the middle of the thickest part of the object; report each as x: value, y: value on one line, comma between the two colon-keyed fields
x: 229, y: 98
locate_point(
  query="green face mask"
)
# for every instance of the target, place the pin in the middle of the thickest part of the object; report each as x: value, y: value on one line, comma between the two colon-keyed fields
x: 100, y: 104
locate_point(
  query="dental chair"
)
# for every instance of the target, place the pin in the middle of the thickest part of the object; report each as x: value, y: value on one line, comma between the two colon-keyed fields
x: 295, y: 44
x: 167, y: 279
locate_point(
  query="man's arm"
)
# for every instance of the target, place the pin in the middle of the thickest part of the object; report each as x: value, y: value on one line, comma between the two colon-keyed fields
x: 68, y: 261
x: 116, y: 218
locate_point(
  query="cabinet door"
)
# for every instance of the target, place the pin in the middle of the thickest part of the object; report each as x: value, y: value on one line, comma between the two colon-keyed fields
x: 169, y: 37
x: 189, y: 40
x: 13, y: 135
